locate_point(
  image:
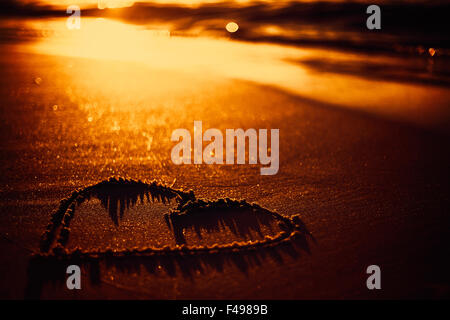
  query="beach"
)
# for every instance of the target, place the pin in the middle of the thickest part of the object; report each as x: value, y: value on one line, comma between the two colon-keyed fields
x: 364, y: 162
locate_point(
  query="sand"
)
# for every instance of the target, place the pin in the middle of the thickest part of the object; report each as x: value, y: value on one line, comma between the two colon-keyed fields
x: 370, y: 189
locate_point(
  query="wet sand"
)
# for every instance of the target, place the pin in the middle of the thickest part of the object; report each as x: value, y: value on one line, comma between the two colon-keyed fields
x: 371, y: 190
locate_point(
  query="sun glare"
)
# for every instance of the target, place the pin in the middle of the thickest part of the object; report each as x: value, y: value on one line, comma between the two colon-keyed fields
x: 221, y: 58
x: 103, y: 4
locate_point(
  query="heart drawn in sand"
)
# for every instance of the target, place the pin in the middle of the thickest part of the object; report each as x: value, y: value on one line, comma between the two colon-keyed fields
x: 116, y: 195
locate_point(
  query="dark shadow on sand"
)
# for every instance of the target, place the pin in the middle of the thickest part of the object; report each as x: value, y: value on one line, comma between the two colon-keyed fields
x: 431, y: 71
x: 117, y: 200
x: 43, y: 271
x: 241, y: 222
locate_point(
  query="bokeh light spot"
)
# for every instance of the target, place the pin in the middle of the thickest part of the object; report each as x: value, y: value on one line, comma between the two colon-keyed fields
x: 432, y: 52
x: 232, y: 27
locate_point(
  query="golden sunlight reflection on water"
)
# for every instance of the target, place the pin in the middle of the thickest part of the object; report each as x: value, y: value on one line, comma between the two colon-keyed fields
x: 221, y: 58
